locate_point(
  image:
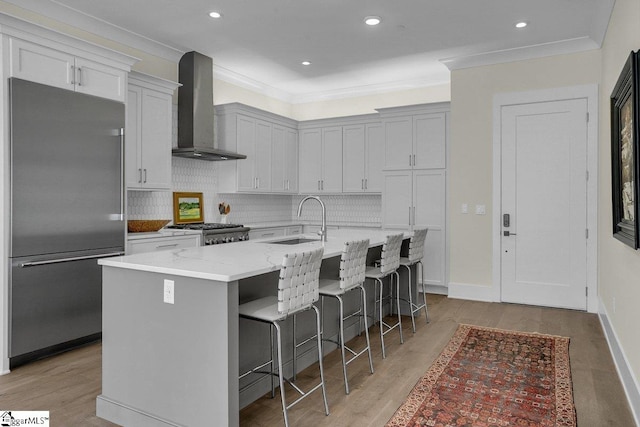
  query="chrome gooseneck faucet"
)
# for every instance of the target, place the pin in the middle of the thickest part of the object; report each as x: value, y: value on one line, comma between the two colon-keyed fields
x: 323, y: 227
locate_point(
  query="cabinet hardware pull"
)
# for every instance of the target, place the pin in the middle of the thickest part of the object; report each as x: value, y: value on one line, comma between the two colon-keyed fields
x: 362, y: 184
x: 366, y: 184
x: 318, y: 184
x: 140, y: 176
x: 79, y: 76
x: 414, y: 160
x: 73, y: 75
x: 322, y: 184
x: 145, y: 175
x: 409, y: 159
x: 167, y: 246
x: 122, y: 175
x: 409, y: 215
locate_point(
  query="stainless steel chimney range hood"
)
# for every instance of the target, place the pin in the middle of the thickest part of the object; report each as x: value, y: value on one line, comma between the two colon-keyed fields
x: 195, y: 111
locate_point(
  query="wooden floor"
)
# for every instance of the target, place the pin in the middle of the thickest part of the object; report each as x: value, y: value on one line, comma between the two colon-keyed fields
x: 67, y: 385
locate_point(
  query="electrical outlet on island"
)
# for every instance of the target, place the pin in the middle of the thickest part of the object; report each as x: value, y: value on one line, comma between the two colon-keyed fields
x: 168, y: 291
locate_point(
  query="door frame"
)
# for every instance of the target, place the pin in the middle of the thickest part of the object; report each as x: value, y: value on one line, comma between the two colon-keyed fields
x: 590, y: 93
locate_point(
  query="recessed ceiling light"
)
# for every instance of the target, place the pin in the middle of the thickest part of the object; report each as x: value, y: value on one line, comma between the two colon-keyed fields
x: 521, y: 24
x: 306, y: 63
x: 372, y: 20
x: 215, y: 14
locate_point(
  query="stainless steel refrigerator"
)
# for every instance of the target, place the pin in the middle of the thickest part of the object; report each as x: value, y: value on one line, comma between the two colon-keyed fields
x: 67, y: 208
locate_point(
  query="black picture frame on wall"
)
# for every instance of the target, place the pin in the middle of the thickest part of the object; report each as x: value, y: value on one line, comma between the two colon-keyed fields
x: 625, y: 121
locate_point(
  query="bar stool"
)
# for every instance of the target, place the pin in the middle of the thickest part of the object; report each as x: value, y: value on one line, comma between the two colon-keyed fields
x: 389, y: 263
x: 297, y: 291
x: 416, y: 253
x: 352, y: 267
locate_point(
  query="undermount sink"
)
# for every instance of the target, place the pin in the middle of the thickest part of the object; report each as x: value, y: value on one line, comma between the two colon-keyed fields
x: 294, y: 241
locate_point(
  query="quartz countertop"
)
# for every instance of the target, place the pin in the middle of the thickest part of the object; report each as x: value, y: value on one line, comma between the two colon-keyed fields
x: 239, y: 260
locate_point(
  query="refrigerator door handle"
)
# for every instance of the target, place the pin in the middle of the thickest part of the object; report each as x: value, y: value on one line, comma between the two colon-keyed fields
x: 77, y: 258
x: 122, y: 178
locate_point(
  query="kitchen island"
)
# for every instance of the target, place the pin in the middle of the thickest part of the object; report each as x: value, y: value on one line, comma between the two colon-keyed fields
x: 171, y: 333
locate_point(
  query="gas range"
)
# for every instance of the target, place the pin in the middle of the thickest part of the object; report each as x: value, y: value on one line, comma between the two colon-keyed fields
x: 214, y: 233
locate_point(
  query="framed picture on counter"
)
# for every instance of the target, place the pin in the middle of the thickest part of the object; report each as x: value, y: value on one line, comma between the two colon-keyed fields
x: 624, y: 153
x: 187, y: 208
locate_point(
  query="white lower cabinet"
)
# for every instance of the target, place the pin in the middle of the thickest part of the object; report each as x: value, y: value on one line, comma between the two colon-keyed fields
x: 417, y: 199
x: 162, y: 243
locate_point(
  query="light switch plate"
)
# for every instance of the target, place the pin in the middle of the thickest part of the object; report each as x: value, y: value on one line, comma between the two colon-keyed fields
x: 480, y: 210
x: 168, y: 291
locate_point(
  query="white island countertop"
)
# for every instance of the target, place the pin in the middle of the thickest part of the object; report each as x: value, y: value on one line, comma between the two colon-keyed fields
x: 239, y: 260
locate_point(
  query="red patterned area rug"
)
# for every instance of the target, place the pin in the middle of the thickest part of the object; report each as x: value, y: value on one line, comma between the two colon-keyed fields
x: 491, y: 377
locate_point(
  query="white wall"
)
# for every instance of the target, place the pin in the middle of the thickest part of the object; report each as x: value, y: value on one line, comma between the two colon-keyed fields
x: 470, y: 170
x: 618, y: 264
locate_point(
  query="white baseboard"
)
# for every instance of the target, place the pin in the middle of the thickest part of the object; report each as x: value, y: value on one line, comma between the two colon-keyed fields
x: 435, y: 289
x: 629, y: 383
x: 471, y: 292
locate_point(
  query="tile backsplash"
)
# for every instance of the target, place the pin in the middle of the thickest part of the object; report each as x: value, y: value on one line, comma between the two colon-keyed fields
x: 201, y: 176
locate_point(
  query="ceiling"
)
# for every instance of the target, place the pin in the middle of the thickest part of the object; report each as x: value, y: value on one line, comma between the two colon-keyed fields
x: 261, y: 44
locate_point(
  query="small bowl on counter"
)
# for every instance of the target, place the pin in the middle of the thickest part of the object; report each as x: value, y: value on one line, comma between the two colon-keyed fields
x: 146, y: 225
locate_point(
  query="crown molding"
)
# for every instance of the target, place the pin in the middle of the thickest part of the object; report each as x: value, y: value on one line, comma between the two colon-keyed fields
x: 561, y: 47
x: 243, y: 81
x: 58, y: 12
x: 232, y: 77
x: 368, y: 90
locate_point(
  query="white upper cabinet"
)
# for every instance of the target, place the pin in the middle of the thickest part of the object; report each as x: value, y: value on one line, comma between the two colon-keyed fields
x: 284, y: 160
x: 415, y: 137
x: 363, y: 158
x: 148, y: 133
x: 37, y: 63
x: 269, y: 142
x: 430, y: 139
x: 310, y: 160
x: 321, y: 160
x: 254, y: 141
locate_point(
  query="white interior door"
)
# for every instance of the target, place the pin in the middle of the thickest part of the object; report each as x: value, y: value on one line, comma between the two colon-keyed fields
x: 544, y: 192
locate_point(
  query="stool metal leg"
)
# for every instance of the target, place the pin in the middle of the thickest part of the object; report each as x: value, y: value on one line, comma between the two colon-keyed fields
x: 281, y: 374
x: 424, y: 292
x: 319, y: 338
x: 273, y: 384
x: 398, y: 305
x: 384, y: 354
x: 341, y: 338
x: 411, y: 305
x: 295, y: 350
x: 363, y: 293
